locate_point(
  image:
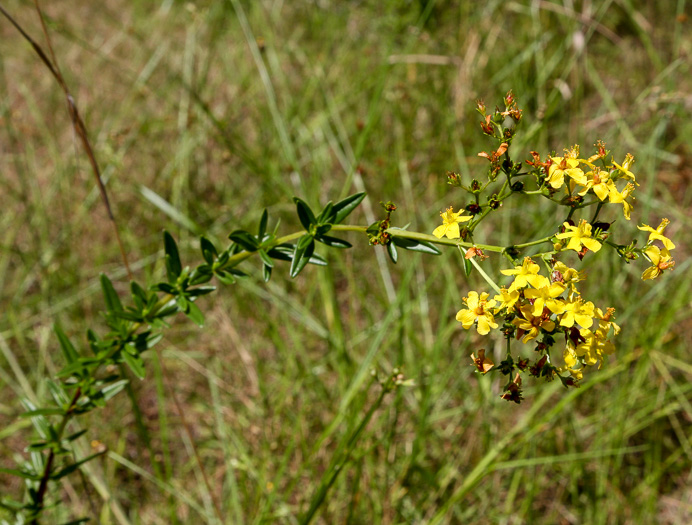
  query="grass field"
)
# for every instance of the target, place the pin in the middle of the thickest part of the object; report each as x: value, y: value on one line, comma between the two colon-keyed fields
x: 204, y: 113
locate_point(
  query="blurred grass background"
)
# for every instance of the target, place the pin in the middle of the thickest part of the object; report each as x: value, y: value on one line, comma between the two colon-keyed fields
x: 204, y: 113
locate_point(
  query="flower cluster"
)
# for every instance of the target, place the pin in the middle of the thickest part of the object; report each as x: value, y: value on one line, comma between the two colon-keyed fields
x: 581, y: 176
x: 544, y: 308
x: 538, y: 308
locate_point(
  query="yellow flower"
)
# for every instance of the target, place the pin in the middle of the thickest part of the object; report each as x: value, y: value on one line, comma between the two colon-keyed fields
x: 507, y: 299
x: 479, y: 309
x: 545, y: 296
x: 532, y: 324
x: 578, y: 236
x: 570, y: 276
x: 562, y: 166
x: 594, y: 348
x: 661, y: 260
x: 619, y: 198
x: 577, y: 311
x: 625, y: 168
x: 450, y: 224
x: 657, y: 234
x: 599, y: 182
x: 527, y: 273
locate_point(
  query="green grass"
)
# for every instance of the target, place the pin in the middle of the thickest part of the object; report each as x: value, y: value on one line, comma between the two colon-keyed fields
x: 202, y: 115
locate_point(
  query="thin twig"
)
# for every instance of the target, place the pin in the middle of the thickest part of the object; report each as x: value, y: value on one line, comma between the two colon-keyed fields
x: 77, y: 121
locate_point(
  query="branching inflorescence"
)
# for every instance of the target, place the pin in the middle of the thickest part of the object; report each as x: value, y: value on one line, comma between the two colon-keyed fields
x: 545, y: 308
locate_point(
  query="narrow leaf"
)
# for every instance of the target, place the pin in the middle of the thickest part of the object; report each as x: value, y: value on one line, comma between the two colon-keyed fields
x: 244, y: 239
x: 113, y: 303
x: 50, y: 411
x: 327, y: 214
x: 173, y: 265
x: 343, y: 208
x: 266, y: 259
x: 302, y: 254
x: 391, y: 251
x: 74, y: 466
x: 135, y: 363
x: 416, y: 246
x: 307, y: 218
x: 67, y: 347
x: 208, y: 250
x: 20, y: 473
x: 194, y: 313
x: 334, y: 242
x: 263, y: 224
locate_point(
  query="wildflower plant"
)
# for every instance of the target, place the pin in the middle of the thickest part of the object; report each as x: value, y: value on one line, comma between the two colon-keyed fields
x: 541, y: 304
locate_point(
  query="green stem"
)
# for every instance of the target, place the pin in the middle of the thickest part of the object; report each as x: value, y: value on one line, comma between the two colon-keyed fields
x: 480, y: 270
x: 533, y: 243
x: 340, y: 461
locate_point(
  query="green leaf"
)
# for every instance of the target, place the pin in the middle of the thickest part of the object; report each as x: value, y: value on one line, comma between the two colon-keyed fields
x: 49, y: 411
x: 194, y: 313
x: 68, y: 349
x: 307, y: 218
x: 113, y: 303
x: 266, y: 259
x: 317, y: 260
x: 282, y: 252
x: 139, y: 295
x: 74, y: 466
x: 225, y: 277
x: 111, y: 390
x: 263, y: 224
x: 266, y: 273
x: 135, y: 363
x: 200, y: 290
x: 343, y: 208
x: 416, y: 246
x: 391, y: 251
x: 208, y: 250
x: 20, y: 473
x: 333, y: 242
x: 76, y: 435
x: 322, y: 229
x: 244, y: 239
x: 173, y: 265
x: 468, y: 267
x: 76, y: 522
x: 302, y: 254
x: 327, y: 214
x: 165, y: 288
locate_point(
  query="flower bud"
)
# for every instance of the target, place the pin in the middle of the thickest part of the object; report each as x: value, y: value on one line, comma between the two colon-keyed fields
x: 517, y: 186
x: 473, y: 208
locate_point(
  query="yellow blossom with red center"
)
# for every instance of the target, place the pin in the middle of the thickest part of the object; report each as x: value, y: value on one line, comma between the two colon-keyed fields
x: 479, y: 309
x: 531, y: 324
x: 599, y: 182
x: 450, y: 224
x: 562, y: 166
x: 578, y: 236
